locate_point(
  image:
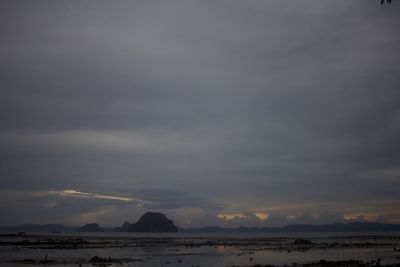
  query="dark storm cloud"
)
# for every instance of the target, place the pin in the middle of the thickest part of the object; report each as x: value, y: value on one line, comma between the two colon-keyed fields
x: 285, y: 108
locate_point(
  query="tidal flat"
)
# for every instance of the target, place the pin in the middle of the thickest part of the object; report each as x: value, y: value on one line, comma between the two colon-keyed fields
x: 111, y: 249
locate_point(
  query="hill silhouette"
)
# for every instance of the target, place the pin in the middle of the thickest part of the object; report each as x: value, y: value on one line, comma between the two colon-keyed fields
x: 158, y: 222
x: 38, y: 228
x: 305, y: 228
x: 91, y: 227
x: 150, y: 222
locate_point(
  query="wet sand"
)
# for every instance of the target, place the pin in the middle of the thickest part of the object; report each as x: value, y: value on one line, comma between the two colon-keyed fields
x: 69, y: 250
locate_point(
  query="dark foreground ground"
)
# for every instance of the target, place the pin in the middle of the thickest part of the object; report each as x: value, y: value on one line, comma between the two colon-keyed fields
x: 61, y: 250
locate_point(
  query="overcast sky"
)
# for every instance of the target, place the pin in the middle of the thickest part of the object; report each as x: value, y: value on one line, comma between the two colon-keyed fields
x: 212, y: 112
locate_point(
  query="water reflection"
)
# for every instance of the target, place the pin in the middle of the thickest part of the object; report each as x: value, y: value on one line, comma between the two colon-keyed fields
x: 194, y: 251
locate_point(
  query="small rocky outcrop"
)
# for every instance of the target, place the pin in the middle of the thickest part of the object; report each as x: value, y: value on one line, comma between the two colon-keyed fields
x: 91, y: 227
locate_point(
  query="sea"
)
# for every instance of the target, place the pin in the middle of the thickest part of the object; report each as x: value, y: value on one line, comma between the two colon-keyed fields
x: 195, y: 249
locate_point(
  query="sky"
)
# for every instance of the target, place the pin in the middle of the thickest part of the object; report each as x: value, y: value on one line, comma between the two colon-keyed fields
x: 228, y: 113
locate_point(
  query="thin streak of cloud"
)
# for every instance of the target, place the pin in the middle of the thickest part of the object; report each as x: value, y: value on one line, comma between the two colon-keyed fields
x: 78, y: 194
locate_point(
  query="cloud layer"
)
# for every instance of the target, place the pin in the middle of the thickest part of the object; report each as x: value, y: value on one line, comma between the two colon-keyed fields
x: 227, y: 112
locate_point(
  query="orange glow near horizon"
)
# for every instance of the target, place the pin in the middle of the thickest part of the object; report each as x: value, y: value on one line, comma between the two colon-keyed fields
x: 231, y: 216
x: 368, y: 216
x: 261, y: 215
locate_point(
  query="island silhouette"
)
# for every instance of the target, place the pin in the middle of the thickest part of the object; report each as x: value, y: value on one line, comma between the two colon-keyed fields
x: 155, y: 222
x: 91, y: 227
x: 151, y: 222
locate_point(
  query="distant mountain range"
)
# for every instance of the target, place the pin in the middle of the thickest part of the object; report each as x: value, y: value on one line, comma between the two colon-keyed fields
x: 149, y: 222
x: 38, y: 228
x: 157, y: 222
x: 293, y: 228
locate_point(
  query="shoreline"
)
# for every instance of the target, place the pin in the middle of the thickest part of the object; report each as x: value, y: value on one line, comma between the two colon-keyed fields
x: 359, y: 251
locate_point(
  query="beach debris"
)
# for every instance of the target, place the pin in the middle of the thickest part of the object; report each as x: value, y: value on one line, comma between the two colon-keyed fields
x: 96, y: 260
x: 46, y: 260
x: 26, y: 261
x: 301, y: 241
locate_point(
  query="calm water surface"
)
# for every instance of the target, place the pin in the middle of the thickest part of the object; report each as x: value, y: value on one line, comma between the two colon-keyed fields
x: 383, y: 245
